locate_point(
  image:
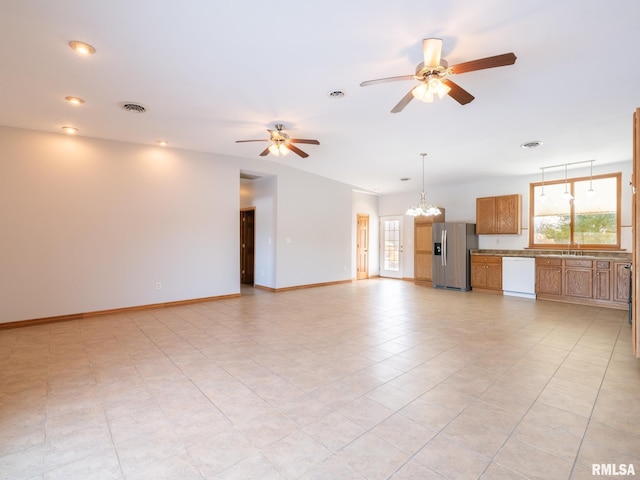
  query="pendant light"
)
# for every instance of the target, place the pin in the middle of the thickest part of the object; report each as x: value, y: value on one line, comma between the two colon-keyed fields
x: 423, y: 209
x: 591, y: 192
x: 566, y: 194
x: 542, y: 195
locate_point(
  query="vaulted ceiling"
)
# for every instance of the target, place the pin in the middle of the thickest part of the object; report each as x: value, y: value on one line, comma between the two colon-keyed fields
x: 211, y: 73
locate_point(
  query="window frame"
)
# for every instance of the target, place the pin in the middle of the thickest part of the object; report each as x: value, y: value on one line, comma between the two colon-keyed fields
x: 570, y: 182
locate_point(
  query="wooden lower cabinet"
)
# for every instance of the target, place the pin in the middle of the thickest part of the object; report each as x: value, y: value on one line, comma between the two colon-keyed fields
x: 548, y: 276
x: 578, y: 278
x: 597, y: 282
x: 486, y: 273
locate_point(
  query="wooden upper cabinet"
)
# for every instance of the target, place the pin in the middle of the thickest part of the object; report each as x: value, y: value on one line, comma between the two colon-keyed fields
x: 499, y: 215
x: 486, y: 215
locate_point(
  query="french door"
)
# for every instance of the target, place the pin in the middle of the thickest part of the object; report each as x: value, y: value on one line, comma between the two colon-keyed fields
x: 391, y: 246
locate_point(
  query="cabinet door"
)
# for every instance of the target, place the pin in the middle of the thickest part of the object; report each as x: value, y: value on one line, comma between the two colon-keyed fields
x: 602, y: 285
x: 621, y: 282
x: 578, y: 282
x: 602, y: 280
x: 486, y: 215
x: 549, y: 280
x: 423, y: 251
x: 494, y: 275
x: 508, y: 218
x: 478, y: 273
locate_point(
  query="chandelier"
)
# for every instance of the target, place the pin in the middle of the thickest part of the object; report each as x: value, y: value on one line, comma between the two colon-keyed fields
x: 423, y: 209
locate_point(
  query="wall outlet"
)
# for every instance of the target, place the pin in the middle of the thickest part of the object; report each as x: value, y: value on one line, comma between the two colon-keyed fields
x: 158, y: 285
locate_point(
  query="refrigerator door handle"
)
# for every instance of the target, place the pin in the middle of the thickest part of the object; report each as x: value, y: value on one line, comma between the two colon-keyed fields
x: 444, y: 248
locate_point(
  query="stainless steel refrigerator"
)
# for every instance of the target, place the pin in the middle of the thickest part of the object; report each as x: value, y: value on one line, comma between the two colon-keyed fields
x: 452, y: 243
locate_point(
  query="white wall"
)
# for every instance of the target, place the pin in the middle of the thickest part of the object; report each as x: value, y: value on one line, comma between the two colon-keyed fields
x: 459, y: 202
x: 314, y: 240
x: 91, y: 225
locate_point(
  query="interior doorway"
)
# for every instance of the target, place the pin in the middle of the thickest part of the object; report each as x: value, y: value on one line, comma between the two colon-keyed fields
x: 247, y: 246
x: 362, y: 247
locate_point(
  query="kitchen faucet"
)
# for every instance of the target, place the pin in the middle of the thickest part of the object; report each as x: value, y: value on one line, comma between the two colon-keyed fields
x: 575, y: 250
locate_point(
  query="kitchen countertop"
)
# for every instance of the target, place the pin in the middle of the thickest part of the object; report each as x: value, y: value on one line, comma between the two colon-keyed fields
x: 617, y: 255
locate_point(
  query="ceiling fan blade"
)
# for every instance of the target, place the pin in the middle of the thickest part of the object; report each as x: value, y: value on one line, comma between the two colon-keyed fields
x: 303, y: 140
x: 458, y: 93
x: 403, y: 103
x: 385, y: 80
x: 295, y: 149
x: 265, y: 152
x: 432, y: 50
x: 482, y: 63
x: 243, y: 141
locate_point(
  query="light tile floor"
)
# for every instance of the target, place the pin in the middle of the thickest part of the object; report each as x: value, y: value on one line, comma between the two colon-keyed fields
x: 371, y: 380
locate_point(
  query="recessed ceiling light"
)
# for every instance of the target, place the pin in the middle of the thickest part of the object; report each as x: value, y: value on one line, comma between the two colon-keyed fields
x: 74, y: 100
x: 163, y: 143
x: 337, y: 94
x: 534, y: 144
x: 70, y: 130
x: 81, y: 47
x: 133, y: 107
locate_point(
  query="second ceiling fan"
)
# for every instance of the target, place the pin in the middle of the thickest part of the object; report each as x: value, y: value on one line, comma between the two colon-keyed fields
x: 281, y: 143
x: 432, y: 74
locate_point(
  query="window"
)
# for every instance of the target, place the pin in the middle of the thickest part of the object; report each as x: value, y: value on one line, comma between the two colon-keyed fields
x: 392, y: 245
x: 590, y: 220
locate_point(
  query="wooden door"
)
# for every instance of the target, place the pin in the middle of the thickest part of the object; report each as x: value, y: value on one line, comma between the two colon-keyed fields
x: 247, y: 246
x: 362, y: 247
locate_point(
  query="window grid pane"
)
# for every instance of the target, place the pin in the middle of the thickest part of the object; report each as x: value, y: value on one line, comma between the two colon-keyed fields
x: 392, y: 245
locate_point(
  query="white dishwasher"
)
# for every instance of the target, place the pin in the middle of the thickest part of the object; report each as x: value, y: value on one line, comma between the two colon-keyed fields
x: 519, y: 276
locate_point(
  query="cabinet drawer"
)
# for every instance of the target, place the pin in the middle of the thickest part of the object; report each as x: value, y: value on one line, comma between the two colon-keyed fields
x: 548, y: 261
x: 485, y: 259
x: 603, y: 264
x: 571, y: 262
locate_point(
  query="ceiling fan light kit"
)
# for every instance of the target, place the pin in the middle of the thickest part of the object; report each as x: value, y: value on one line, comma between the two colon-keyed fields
x: 278, y: 149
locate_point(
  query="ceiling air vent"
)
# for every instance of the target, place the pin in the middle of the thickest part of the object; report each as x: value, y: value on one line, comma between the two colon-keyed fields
x: 133, y: 107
